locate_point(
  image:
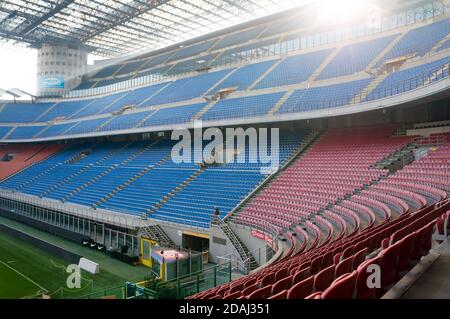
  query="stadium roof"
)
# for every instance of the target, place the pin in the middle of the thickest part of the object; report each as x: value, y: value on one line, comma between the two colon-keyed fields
x: 117, y: 27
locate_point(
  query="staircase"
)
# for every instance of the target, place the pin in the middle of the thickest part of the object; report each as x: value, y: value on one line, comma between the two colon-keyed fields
x: 104, y: 124
x: 306, y: 144
x: 437, y: 45
x: 265, y: 74
x: 182, y: 185
x: 113, y: 153
x: 145, y: 119
x: 138, y: 153
x: 156, y: 233
x: 44, y: 113
x: 65, y: 180
x: 142, y: 103
x: 203, y: 111
x: 13, y: 128
x: 221, y: 81
x: 131, y: 180
x: 361, y: 96
x: 381, y: 55
x: 324, y: 64
x: 280, y: 102
x: 398, y: 159
x: 79, y: 189
x: 244, y: 253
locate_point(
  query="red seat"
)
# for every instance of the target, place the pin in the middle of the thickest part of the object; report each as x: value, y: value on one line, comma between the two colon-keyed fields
x: 389, y: 257
x: 236, y: 287
x: 428, y: 238
x: 362, y: 289
x: 406, y: 246
x: 345, y: 266
x: 268, y: 279
x: 300, y: 275
x: 315, y: 265
x: 247, y: 291
x: 315, y: 295
x: 282, y: 273
x: 283, y: 284
x: 327, y: 259
x: 342, y: 288
x: 337, y: 258
x: 233, y: 295
x: 418, y: 244
x: 347, y: 252
x: 359, y: 257
x: 261, y: 293
x: 324, y: 278
x: 280, y: 295
x: 301, y: 289
x: 250, y: 282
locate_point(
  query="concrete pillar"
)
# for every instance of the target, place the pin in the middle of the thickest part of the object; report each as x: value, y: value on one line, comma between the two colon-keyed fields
x: 59, y: 68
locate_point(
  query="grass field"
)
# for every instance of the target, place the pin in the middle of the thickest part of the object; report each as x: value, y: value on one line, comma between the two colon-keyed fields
x: 26, y: 271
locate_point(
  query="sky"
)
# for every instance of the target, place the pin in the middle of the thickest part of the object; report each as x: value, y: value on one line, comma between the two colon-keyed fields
x: 18, y: 68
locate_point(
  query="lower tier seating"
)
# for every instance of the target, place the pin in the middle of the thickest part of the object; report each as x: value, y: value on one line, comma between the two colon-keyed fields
x: 140, y: 178
x: 399, y: 214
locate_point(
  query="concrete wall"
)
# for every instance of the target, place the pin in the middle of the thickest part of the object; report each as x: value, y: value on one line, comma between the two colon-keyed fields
x: 59, y: 61
x: 255, y: 245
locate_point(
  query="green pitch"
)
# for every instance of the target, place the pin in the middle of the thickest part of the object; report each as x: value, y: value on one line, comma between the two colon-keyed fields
x: 26, y: 271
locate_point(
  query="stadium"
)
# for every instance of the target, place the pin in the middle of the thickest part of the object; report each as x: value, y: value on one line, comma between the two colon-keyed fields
x: 226, y: 149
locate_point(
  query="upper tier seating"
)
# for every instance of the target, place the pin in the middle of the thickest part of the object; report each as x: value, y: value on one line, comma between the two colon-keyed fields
x: 125, y: 121
x: 445, y: 45
x: 294, y: 69
x: 107, y: 71
x: 359, y: 55
x: 23, y: 132
x: 130, y: 67
x: 244, y: 76
x: 173, y: 115
x: 409, y: 79
x: 99, y: 106
x: 64, y: 110
x: 23, y: 112
x: 187, y: 88
x: 192, y: 50
x: 257, y: 105
x: 334, y: 89
x: 88, y: 126
x: 134, y: 98
x: 419, y: 41
x: 54, y: 130
x: 238, y: 37
x: 4, y: 130
x: 323, y: 97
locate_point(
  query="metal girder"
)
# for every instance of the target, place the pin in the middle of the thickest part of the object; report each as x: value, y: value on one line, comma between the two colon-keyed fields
x: 113, y: 27
x: 127, y: 17
x: 46, y: 16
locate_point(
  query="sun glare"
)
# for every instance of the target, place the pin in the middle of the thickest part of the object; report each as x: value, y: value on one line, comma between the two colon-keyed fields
x: 342, y: 11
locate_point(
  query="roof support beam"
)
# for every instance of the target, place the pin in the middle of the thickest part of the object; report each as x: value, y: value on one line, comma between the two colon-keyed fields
x: 64, y: 4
